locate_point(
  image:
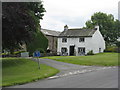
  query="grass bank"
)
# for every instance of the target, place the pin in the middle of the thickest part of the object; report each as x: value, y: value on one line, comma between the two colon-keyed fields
x: 20, y: 71
x: 101, y: 59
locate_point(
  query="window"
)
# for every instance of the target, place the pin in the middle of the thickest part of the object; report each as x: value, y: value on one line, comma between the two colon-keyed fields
x: 64, y: 40
x: 81, y: 50
x: 64, y: 51
x: 81, y: 39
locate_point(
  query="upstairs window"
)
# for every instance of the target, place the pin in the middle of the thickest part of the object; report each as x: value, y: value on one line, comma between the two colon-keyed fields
x: 64, y: 40
x: 81, y: 39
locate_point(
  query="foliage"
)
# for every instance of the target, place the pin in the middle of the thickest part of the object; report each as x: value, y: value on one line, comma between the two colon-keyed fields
x: 41, y: 50
x: 117, y: 43
x: 90, y: 53
x: 111, y: 49
x: 39, y: 42
x: 101, y: 59
x: 18, y: 52
x: 20, y: 71
x: 109, y: 27
x: 20, y: 20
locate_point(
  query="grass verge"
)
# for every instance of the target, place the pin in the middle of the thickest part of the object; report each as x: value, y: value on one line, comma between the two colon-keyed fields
x: 20, y: 71
x: 101, y: 59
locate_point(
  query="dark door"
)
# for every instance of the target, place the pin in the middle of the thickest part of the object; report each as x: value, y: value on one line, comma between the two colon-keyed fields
x: 72, y: 50
x: 99, y: 50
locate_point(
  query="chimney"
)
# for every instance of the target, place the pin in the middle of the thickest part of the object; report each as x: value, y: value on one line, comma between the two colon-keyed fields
x: 65, y: 28
x: 96, y: 27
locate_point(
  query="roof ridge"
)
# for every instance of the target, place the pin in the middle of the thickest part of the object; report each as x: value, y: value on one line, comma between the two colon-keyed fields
x: 75, y: 28
x: 78, y: 32
x: 49, y: 30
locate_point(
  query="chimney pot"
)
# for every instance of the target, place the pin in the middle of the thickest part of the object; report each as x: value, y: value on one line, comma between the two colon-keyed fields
x: 65, y: 28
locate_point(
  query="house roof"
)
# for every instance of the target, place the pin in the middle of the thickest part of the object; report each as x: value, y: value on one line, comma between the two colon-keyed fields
x: 77, y: 33
x: 50, y: 32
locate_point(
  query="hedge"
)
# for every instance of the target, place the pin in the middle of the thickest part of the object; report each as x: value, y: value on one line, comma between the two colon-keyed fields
x: 111, y: 49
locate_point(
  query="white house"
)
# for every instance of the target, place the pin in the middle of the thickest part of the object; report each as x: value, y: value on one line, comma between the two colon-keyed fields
x: 80, y: 41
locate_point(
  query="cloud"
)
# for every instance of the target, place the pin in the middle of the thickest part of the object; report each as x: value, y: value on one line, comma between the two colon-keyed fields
x: 74, y: 13
x: 52, y: 24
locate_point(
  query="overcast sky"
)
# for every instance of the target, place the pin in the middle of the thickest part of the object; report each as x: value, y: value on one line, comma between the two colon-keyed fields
x: 74, y: 13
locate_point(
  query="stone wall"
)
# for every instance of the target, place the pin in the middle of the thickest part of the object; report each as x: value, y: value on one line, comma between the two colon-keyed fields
x: 52, y: 43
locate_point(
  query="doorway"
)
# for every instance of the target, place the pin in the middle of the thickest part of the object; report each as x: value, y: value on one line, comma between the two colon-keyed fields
x: 99, y: 50
x: 72, y: 49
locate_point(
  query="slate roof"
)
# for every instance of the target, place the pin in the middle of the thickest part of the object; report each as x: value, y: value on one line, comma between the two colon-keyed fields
x: 50, y: 32
x: 77, y: 33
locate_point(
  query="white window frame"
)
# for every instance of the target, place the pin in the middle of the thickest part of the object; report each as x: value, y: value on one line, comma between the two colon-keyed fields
x: 64, y: 40
x: 81, y: 39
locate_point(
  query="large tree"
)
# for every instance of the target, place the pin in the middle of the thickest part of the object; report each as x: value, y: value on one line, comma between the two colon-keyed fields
x: 20, y: 21
x: 109, y: 27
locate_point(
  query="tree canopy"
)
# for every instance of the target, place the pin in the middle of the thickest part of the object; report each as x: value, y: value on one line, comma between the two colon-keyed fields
x: 109, y: 27
x: 39, y: 43
x: 20, y: 20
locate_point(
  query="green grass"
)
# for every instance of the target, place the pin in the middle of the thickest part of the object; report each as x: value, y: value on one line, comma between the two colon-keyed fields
x: 20, y: 71
x: 102, y: 59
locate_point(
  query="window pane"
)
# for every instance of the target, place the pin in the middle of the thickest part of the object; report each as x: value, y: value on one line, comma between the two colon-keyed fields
x: 64, y: 39
x: 64, y: 51
x: 81, y: 50
x: 81, y: 39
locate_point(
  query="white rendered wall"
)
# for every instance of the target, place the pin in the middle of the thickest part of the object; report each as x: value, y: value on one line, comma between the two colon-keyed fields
x: 98, y: 42
x: 74, y: 41
x: 91, y: 43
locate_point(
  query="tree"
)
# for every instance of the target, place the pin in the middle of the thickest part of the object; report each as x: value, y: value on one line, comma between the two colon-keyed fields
x: 39, y: 43
x: 108, y: 26
x: 20, y: 21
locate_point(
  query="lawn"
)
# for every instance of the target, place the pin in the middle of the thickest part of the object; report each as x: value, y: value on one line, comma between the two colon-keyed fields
x: 101, y: 59
x: 20, y: 71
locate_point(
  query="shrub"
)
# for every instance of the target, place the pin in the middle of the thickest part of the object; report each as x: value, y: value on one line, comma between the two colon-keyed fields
x: 18, y: 52
x: 90, y: 53
x: 41, y: 50
x: 111, y: 49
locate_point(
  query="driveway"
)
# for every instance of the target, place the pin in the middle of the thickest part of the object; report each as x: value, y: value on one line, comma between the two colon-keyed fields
x: 76, y: 76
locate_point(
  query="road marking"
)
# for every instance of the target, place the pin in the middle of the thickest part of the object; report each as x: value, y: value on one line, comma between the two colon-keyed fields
x: 80, y: 72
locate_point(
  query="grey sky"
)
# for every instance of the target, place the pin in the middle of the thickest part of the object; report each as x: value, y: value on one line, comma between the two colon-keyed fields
x: 74, y: 13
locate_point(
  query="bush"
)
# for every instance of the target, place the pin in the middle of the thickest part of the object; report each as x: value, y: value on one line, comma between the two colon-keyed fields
x: 111, y: 49
x: 41, y: 50
x: 90, y: 53
x: 15, y: 54
x: 18, y: 52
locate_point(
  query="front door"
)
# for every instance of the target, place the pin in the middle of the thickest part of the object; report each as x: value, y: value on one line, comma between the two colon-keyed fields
x: 72, y: 50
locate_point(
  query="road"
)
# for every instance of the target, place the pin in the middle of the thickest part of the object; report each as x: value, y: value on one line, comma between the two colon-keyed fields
x: 76, y: 76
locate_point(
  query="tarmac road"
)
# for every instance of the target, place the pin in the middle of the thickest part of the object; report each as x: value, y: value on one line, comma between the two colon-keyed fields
x: 76, y: 76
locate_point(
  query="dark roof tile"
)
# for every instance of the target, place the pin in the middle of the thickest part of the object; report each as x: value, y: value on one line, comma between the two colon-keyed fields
x: 77, y: 32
